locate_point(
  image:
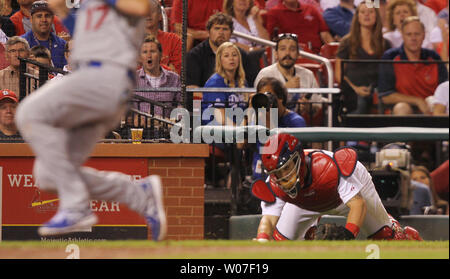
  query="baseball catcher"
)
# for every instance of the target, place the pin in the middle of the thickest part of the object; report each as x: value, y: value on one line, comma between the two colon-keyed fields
x: 303, y: 185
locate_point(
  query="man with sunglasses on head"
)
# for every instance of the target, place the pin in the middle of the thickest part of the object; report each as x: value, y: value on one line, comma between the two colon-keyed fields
x: 285, y: 69
x: 303, y: 185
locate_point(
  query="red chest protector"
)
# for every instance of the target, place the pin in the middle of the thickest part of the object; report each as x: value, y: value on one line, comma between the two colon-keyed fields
x: 320, y: 192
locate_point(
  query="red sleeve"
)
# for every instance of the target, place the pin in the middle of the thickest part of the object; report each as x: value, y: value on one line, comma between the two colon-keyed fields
x: 177, y: 11
x: 171, y: 44
x: 16, y: 19
x: 59, y: 27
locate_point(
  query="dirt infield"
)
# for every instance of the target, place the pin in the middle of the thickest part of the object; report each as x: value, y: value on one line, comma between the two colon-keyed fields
x: 226, y: 250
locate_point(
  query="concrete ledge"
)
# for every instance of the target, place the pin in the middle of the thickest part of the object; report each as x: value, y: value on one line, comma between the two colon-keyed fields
x: 431, y: 227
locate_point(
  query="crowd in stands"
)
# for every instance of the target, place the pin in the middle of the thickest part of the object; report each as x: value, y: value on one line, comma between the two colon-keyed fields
x: 397, y: 30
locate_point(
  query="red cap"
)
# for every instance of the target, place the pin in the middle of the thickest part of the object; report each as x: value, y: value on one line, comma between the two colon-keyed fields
x: 8, y: 94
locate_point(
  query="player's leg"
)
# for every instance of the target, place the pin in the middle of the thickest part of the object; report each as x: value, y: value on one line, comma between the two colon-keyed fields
x: 378, y: 224
x: 115, y: 186
x: 294, y: 222
x: 37, y: 116
x: 44, y: 119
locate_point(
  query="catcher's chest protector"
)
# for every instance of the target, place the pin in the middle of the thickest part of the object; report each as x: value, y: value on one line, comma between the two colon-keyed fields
x: 320, y: 191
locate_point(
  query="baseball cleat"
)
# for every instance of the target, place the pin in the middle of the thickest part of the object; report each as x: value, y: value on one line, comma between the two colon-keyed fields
x: 155, y: 214
x: 67, y: 222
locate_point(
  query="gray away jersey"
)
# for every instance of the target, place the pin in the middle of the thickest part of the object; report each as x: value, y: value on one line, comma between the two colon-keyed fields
x: 104, y: 34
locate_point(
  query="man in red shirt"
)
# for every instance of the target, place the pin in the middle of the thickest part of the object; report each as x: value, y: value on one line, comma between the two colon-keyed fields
x: 22, y: 23
x: 407, y: 85
x: 170, y: 42
x: 291, y: 16
x: 198, y: 14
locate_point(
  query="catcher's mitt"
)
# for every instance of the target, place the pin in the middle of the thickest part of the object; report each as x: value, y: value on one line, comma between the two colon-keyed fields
x: 329, y: 232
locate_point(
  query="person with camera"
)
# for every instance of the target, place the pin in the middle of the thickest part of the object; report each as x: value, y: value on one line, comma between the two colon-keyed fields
x: 272, y: 93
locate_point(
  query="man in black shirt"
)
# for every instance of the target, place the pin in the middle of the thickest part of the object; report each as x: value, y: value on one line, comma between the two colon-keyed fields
x: 201, y: 60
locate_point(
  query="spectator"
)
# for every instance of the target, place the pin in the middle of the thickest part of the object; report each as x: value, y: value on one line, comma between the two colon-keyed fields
x: 289, y: 16
x: 8, y: 105
x: 201, y: 60
x: 9, y: 77
x: 152, y: 75
x: 290, y: 74
x: 440, y: 99
x: 198, y: 14
x: 439, y: 38
x: 286, y: 117
x: 41, y: 33
x: 22, y: 22
x: 365, y: 41
x: 397, y: 11
x: 42, y: 55
x: 229, y: 72
x: 339, y: 18
x: 246, y: 19
x: 170, y: 42
x: 406, y: 85
x: 425, y: 193
x: 7, y: 9
x: 68, y: 67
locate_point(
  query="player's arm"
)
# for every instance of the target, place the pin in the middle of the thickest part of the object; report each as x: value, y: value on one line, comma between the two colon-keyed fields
x: 139, y: 8
x: 356, y: 214
x: 266, y: 227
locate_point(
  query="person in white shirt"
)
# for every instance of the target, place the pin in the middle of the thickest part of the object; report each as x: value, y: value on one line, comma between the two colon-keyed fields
x: 440, y: 99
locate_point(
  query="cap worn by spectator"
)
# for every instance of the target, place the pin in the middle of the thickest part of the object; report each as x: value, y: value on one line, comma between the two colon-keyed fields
x: 40, y: 6
x: 8, y: 94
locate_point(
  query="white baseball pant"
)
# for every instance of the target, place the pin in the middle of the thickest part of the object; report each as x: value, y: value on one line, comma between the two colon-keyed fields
x: 295, y: 221
x: 63, y: 121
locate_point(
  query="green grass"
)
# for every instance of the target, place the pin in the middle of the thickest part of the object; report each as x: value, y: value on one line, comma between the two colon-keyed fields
x: 229, y: 249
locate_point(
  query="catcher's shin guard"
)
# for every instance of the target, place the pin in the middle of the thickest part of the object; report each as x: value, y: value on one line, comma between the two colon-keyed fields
x: 386, y: 233
x: 411, y: 233
x: 278, y: 236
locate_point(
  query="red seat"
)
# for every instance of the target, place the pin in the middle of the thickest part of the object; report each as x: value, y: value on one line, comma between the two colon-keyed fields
x: 3, y: 62
x: 329, y: 51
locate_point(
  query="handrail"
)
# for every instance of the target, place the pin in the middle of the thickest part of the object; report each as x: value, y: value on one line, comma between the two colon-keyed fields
x: 165, y: 19
x: 238, y: 90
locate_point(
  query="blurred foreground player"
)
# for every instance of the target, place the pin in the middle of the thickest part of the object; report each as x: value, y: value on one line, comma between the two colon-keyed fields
x: 65, y: 118
x: 304, y: 185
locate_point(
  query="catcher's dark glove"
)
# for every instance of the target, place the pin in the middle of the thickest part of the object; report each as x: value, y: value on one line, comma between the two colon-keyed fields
x: 329, y: 232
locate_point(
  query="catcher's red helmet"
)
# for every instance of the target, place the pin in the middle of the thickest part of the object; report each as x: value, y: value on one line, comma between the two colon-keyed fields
x: 286, y: 164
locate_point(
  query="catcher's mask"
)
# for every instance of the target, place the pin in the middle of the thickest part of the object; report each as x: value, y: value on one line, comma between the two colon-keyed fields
x: 285, y: 165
